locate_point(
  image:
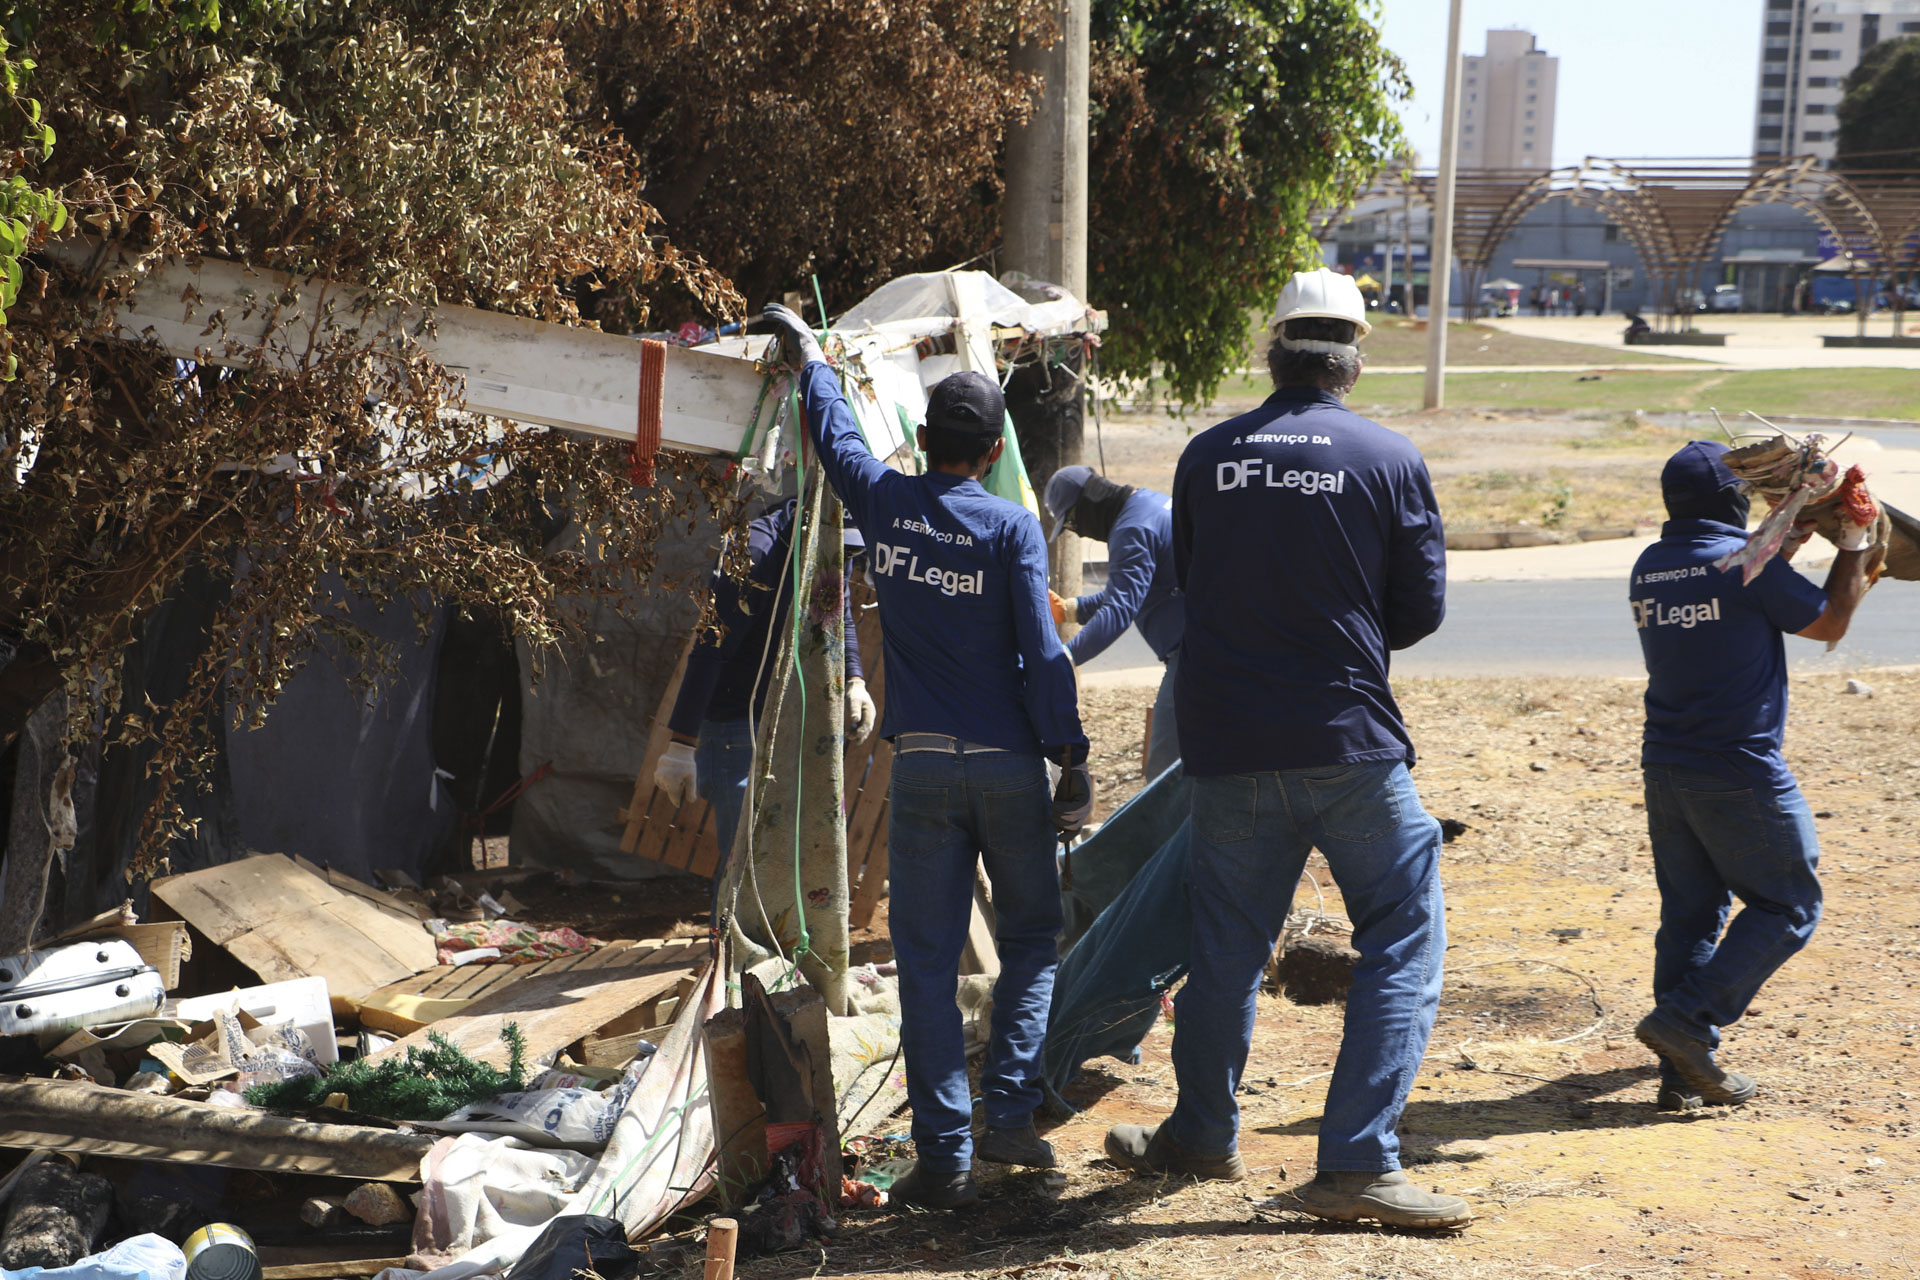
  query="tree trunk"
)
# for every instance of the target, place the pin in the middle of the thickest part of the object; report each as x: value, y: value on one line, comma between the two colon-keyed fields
x: 41, y: 825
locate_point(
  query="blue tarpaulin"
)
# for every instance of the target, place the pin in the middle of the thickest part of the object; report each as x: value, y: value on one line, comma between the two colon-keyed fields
x: 1126, y: 900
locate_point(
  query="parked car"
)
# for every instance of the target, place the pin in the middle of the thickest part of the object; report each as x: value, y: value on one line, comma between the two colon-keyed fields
x: 1725, y: 297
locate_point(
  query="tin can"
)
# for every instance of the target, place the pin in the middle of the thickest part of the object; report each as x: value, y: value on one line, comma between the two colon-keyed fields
x: 221, y: 1251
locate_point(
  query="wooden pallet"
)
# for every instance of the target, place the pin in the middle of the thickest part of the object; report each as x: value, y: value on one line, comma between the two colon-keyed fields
x: 682, y: 837
x: 401, y: 1007
x: 558, y: 1004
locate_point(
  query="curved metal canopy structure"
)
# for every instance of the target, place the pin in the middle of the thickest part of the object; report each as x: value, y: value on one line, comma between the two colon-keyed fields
x: 1675, y: 211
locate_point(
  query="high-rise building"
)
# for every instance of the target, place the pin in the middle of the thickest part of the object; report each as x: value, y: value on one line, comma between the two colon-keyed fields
x: 1506, y: 104
x: 1807, y: 47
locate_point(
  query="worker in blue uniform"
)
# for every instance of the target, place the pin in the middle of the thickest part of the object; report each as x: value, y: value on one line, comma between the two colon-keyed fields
x: 1308, y: 545
x: 1137, y: 526
x: 712, y: 726
x: 980, y: 695
x: 1725, y: 818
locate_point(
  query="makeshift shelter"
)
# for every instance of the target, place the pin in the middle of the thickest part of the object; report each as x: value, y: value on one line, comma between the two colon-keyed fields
x: 353, y: 783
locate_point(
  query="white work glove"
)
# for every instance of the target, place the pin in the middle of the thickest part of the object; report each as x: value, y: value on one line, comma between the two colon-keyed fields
x: 675, y: 774
x: 861, y: 713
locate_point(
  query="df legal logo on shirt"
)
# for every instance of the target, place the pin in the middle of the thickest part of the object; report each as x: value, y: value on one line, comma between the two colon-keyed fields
x: 1247, y: 472
x: 1651, y: 613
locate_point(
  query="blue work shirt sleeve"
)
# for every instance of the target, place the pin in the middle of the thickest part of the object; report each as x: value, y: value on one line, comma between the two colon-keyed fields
x: 1182, y: 524
x: 854, y: 670
x: 1103, y: 616
x: 1416, y: 600
x: 851, y: 468
x: 1785, y: 597
x: 713, y: 652
x: 1053, y: 697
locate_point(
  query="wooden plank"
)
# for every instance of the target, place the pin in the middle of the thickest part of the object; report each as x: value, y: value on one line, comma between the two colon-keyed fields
x: 525, y: 370
x: 468, y: 982
x: 284, y: 950
x: 356, y: 1269
x: 705, y: 860
x: 233, y: 898
x: 282, y: 921
x: 380, y: 898
x: 689, y: 823
x: 88, y: 1119
x: 555, y: 1009
x: 640, y: 807
x: 616, y: 1051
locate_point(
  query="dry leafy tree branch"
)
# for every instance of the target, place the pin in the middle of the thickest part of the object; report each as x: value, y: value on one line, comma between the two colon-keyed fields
x: 431, y: 152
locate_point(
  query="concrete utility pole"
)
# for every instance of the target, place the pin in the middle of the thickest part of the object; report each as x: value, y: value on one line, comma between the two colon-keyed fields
x: 1440, y: 239
x: 1044, y: 234
x: 1044, y: 227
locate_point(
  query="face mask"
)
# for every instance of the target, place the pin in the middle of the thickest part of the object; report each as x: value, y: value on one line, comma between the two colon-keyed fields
x: 1098, y: 508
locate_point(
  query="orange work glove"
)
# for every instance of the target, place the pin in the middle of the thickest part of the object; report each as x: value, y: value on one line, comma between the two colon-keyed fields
x: 1062, y: 607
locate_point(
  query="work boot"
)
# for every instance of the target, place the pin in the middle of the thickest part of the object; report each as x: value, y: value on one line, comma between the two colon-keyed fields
x: 931, y: 1189
x: 1692, y: 1060
x: 1014, y: 1144
x: 1674, y: 1094
x: 1380, y: 1197
x: 1153, y: 1150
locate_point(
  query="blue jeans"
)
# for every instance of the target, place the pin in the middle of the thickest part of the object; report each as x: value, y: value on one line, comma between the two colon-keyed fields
x: 1251, y: 836
x: 721, y: 763
x: 947, y: 812
x: 1713, y: 840
x: 1163, y: 743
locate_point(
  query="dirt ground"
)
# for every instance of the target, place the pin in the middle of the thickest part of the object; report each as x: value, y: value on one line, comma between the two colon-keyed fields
x: 1534, y: 1101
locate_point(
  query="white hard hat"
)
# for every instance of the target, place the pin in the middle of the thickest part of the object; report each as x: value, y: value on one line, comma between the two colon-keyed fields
x: 1321, y: 294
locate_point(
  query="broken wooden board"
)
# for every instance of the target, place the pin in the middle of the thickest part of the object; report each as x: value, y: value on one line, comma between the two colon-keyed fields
x: 512, y: 367
x: 87, y: 1119
x: 403, y: 1007
x: 560, y: 1006
x: 356, y: 1269
x: 282, y: 922
x: 739, y: 1117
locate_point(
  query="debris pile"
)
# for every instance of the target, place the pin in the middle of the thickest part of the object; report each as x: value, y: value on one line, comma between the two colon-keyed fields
x: 345, y: 1078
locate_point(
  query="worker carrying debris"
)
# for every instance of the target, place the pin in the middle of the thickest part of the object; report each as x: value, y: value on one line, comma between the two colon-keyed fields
x: 1308, y: 543
x: 980, y: 694
x: 725, y: 685
x: 1724, y: 815
x: 1137, y: 526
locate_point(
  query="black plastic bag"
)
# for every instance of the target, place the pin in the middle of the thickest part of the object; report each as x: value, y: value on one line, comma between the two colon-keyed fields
x: 576, y: 1243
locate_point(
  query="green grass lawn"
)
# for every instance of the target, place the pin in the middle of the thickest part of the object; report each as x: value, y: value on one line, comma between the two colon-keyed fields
x: 1840, y: 393
x: 1402, y: 342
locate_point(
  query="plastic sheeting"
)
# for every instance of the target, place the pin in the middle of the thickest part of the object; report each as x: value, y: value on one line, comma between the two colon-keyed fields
x: 660, y: 1158
x: 587, y: 714
x: 1107, y: 992
x: 343, y: 777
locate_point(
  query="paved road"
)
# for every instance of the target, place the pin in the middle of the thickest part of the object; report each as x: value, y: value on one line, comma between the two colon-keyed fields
x: 1583, y: 628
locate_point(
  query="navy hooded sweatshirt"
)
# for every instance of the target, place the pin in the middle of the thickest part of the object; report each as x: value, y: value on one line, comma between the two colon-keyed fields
x: 1716, y: 660
x: 1308, y: 545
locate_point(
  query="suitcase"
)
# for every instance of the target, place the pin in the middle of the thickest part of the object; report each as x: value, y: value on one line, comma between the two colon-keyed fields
x: 83, y: 984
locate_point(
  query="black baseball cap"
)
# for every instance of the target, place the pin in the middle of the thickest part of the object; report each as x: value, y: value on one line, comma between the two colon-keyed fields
x: 967, y: 402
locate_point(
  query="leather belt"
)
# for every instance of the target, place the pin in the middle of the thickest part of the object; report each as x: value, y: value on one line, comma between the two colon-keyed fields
x: 946, y: 742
